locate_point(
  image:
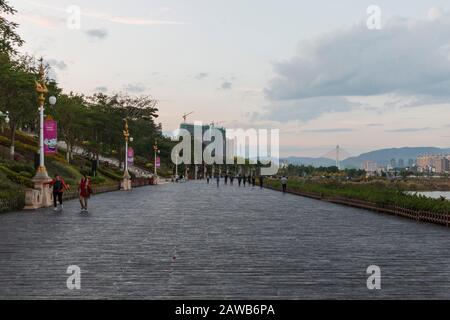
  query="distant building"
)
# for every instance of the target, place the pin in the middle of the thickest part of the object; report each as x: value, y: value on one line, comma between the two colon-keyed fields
x: 433, y: 163
x: 411, y: 163
x: 393, y: 163
x: 370, y: 166
x: 401, y: 163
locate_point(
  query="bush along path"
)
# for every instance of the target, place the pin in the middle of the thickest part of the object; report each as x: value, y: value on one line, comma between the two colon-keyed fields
x: 371, y: 197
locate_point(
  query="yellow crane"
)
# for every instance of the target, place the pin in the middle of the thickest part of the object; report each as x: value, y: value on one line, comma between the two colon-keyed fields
x: 186, y: 115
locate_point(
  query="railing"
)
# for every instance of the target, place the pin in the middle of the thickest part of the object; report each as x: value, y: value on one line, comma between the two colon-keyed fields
x: 440, y: 218
x: 12, y: 204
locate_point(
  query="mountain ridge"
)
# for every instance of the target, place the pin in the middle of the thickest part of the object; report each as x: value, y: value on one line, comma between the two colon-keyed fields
x: 381, y: 156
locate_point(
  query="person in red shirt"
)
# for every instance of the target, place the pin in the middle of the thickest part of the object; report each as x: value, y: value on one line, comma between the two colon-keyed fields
x: 85, y: 191
x: 59, y: 186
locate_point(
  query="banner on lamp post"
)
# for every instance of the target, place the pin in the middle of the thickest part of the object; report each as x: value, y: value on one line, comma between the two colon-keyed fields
x: 130, y: 156
x: 50, y: 137
x: 158, y: 162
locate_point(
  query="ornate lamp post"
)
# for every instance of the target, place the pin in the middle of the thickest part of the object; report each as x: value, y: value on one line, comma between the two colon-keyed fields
x: 126, y: 175
x: 40, y: 196
x: 156, y: 150
x: 41, y: 89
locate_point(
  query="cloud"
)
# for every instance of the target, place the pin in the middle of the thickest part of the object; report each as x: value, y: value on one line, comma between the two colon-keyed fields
x: 201, y: 75
x: 125, y: 20
x: 101, y: 89
x: 374, y: 125
x: 406, y: 57
x: 45, y: 21
x: 226, y: 85
x: 57, y: 64
x: 98, y: 34
x: 411, y: 129
x: 305, y: 109
x: 329, y: 130
x: 135, y: 88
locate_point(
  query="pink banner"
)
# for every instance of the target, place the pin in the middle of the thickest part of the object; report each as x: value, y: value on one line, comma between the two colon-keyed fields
x: 130, y: 156
x: 158, y: 162
x: 50, y: 137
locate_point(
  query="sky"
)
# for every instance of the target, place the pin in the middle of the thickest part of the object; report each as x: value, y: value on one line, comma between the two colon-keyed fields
x: 312, y: 69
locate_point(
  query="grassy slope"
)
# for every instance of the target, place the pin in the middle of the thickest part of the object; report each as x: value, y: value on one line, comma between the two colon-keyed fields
x: 379, y: 193
x: 16, y: 175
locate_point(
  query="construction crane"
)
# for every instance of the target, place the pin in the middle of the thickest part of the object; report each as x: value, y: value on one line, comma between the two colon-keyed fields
x: 186, y: 115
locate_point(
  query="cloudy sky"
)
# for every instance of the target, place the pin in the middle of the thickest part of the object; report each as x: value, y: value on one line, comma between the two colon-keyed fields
x: 313, y: 69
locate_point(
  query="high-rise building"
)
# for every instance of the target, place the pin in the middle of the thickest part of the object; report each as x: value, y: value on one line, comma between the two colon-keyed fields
x: 433, y: 163
x: 370, y: 166
x: 393, y: 163
x: 401, y: 163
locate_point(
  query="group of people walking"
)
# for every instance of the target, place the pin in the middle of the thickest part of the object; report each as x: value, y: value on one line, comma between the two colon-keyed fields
x: 59, y: 186
x: 241, y: 179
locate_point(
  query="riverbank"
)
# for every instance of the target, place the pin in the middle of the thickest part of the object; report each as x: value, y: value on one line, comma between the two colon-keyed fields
x: 372, y: 197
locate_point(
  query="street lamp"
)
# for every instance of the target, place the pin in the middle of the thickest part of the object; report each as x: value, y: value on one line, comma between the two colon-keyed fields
x: 126, y: 134
x: 41, y: 89
x: 155, y: 148
x: 52, y: 100
x: 5, y: 115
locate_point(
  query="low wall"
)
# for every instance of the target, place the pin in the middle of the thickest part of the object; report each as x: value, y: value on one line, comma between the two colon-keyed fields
x: 418, y: 215
x: 16, y: 203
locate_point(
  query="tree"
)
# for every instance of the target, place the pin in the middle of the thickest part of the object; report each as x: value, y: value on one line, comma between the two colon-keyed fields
x: 8, y: 36
x: 70, y: 114
x: 17, y: 92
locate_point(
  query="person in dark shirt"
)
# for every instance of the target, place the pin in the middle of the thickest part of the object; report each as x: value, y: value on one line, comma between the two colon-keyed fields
x: 253, y: 181
x: 239, y: 180
x: 59, y: 186
x: 244, y: 180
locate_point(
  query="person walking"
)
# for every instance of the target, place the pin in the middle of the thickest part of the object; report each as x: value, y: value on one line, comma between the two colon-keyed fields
x: 284, y: 183
x: 261, y: 181
x: 218, y: 180
x: 253, y: 180
x: 207, y: 178
x: 84, y: 191
x: 239, y: 180
x: 59, y: 186
x: 249, y: 179
x: 226, y: 178
x: 231, y: 179
x: 244, y: 180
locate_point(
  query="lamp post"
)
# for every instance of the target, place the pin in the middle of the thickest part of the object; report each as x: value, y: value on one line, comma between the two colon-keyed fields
x: 5, y: 115
x: 41, y: 89
x: 156, y: 150
x: 126, y: 134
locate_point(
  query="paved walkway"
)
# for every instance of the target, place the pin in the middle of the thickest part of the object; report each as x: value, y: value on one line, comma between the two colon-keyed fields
x: 192, y: 240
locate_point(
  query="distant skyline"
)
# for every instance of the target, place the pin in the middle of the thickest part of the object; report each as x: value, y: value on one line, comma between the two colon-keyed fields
x: 312, y: 69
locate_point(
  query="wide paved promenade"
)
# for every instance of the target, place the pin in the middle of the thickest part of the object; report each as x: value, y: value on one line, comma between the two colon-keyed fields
x: 194, y: 240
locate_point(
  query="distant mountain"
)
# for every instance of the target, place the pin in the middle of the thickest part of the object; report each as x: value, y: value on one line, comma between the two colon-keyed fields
x: 382, y: 157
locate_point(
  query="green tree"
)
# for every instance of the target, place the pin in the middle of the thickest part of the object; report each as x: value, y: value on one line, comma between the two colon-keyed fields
x: 70, y: 114
x: 17, y: 92
x: 8, y: 36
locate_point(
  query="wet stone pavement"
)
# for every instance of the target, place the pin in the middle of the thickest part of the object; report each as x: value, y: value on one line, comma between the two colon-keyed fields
x: 193, y: 240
